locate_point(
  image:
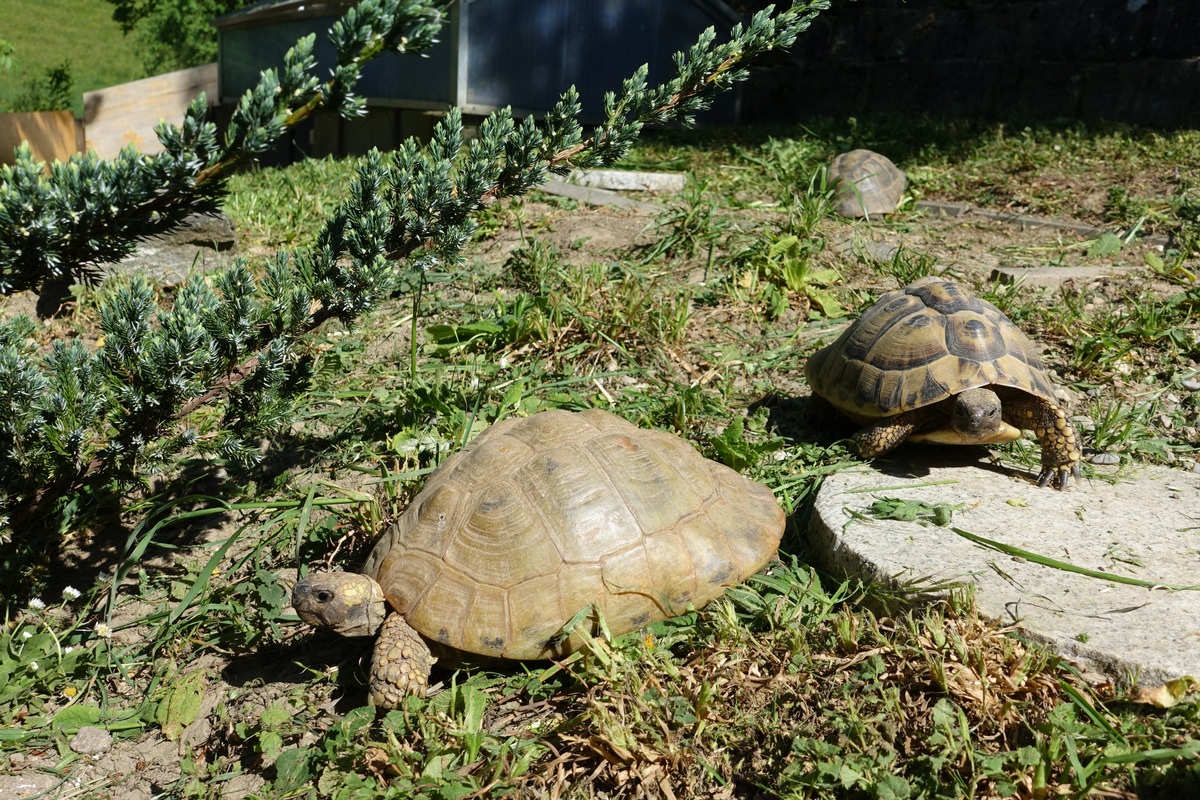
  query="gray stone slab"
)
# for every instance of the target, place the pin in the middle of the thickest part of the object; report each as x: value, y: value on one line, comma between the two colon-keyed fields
x: 1053, y: 277
x: 1145, y: 527
x: 202, y: 243
x: 596, y: 197
x: 940, y: 209
x: 629, y: 181
x: 1022, y: 221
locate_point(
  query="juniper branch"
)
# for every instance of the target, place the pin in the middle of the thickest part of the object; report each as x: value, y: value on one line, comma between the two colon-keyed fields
x: 243, y: 340
x: 88, y: 212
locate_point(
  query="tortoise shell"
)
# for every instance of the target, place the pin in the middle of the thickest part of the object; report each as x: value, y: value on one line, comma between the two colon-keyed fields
x: 539, y: 517
x: 919, y: 345
x: 867, y: 184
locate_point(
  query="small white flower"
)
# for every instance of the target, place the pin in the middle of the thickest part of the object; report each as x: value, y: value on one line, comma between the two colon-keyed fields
x: 474, y: 384
x: 103, y: 631
x: 26, y: 634
x: 68, y: 649
x: 503, y: 362
x: 33, y: 666
x: 36, y: 603
x: 71, y: 593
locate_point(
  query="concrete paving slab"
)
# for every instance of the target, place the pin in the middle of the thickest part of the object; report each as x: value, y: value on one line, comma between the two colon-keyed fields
x: 596, y: 197
x: 1053, y: 277
x: 629, y: 181
x: 1144, y: 526
x: 1022, y: 221
x: 202, y: 243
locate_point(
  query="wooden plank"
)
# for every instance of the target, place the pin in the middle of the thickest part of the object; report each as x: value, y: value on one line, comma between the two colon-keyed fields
x: 118, y: 116
x: 51, y: 135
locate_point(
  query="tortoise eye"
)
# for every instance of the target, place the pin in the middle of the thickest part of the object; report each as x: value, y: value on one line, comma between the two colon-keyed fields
x: 324, y: 596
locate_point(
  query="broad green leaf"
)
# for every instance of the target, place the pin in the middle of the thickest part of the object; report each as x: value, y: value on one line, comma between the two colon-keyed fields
x: 292, y: 770
x: 1104, y: 245
x: 73, y: 718
x: 180, y: 705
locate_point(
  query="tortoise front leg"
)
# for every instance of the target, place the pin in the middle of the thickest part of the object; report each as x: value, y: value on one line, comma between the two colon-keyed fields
x: 401, y: 664
x: 887, y: 434
x: 1061, y: 447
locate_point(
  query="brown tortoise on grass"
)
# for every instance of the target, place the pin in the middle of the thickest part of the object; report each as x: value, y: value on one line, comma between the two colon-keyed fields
x: 932, y: 362
x: 866, y: 184
x: 536, y: 520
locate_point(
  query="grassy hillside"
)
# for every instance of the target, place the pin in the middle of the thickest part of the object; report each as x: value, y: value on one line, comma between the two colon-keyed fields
x: 47, y: 32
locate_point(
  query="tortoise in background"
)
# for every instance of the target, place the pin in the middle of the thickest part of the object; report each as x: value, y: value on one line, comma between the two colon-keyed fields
x: 866, y: 184
x: 932, y: 362
x: 536, y: 520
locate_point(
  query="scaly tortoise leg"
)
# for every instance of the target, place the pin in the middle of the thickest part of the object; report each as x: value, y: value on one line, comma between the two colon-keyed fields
x: 1062, y: 450
x: 888, y: 433
x: 401, y: 664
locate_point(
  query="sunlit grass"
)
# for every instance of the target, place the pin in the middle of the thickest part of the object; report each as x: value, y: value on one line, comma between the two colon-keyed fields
x: 45, y: 33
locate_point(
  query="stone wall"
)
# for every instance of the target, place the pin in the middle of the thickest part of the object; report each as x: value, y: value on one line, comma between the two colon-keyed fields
x: 1135, y: 61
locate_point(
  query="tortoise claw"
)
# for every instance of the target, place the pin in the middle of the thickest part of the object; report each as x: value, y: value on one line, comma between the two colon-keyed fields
x: 1058, y: 477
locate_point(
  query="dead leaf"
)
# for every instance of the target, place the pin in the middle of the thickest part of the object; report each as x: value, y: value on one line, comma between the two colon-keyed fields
x: 1167, y: 695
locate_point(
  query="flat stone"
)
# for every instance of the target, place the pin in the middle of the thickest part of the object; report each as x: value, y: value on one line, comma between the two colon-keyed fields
x: 214, y: 231
x: 202, y: 243
x: 91, y: 741
x: 1022, y: 221
x: 1053, y: 277
x: 940, y: 209
x: 628, y: 181
x: 1030, y: 222
x: 596, y: 197
x: 1144, y: 525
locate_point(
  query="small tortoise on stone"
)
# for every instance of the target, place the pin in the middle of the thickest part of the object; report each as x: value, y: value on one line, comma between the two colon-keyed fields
x: 932, y: 362
x: 535, y: 521
x: 867, y: 184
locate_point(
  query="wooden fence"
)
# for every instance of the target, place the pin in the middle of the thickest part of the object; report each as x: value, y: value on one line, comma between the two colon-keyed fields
x: 52, y: 135
x: 126, y: 114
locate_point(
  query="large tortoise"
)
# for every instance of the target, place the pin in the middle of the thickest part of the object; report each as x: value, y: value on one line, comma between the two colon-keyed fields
x: 932, y: 362
x: 536, y: 520
x: 866, y: 184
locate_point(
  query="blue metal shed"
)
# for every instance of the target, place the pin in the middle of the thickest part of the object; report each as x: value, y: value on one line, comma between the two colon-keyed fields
x: 493, y: 53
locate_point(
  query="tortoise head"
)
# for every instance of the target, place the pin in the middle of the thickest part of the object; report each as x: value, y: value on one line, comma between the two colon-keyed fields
x: 977, y: 414
x: 344, y: 602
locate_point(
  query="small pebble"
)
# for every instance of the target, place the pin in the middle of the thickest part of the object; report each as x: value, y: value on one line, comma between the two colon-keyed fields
x: 1191, y: 385
x: 1105, y: 459
x: 91, y: 741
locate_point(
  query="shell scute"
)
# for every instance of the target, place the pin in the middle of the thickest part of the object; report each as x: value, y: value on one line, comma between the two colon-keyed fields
x: 506, y: 560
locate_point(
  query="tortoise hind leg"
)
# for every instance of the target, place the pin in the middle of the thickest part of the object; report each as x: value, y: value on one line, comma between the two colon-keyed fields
x: 1061, y: 447
x: 401, y: 663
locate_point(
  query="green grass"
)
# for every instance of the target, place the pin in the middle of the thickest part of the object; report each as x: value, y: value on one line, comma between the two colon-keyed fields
x: 45, y: 33
x: 793, y: 685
